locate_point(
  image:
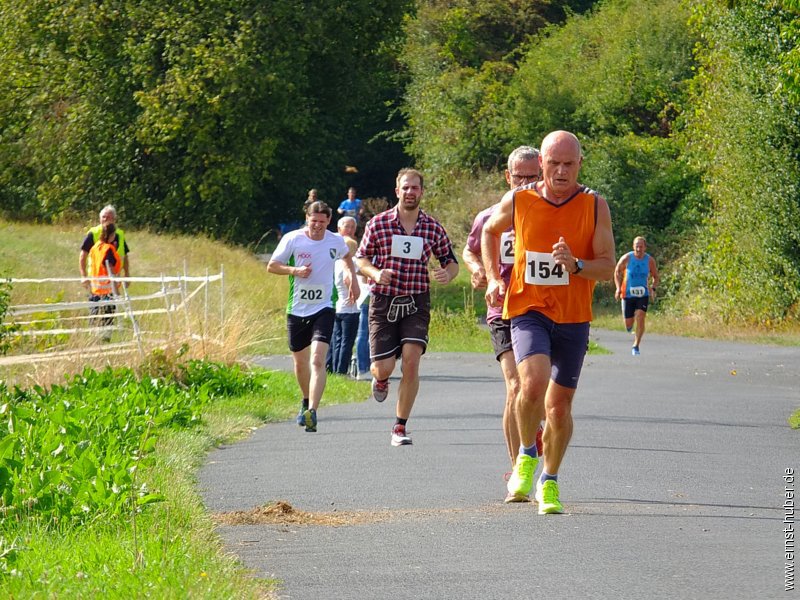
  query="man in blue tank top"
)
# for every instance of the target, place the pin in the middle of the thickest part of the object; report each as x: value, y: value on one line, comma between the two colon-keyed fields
x: 632, y: 277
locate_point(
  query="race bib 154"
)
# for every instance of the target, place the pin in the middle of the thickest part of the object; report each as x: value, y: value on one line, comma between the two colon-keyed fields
x: 541, y: 269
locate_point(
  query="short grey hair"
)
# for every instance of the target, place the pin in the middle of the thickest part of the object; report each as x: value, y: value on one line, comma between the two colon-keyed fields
x: 522, y: 153
x: 108, y: 208
x: 344, y: 220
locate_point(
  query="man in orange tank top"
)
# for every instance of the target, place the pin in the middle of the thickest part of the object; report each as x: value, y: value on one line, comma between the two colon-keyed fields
x: 563, y: 244
x: 523, y: 168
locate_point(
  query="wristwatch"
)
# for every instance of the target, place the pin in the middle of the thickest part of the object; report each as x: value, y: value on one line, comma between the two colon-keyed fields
x: 578, y: 266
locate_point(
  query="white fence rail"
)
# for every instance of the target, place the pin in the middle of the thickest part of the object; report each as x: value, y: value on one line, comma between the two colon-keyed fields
x: 167, y: 296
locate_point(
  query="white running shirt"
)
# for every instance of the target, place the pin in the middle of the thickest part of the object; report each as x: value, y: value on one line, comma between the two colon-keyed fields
x: 309, y: 295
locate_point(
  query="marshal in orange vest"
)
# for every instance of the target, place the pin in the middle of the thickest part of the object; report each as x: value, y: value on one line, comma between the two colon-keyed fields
x: 99, y: 256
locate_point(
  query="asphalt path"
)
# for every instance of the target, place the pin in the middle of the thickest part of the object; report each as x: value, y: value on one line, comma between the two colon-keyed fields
x: 673, y: 484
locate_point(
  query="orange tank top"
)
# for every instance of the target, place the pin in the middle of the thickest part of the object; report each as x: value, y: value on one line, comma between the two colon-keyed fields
x: 537, y: 283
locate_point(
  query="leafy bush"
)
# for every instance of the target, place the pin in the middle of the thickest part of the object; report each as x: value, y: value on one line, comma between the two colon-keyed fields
x: 649, y: 187
x: 745, y: 137
x: 71, y: 453
x: 622, y: 69
x: 461, y: 56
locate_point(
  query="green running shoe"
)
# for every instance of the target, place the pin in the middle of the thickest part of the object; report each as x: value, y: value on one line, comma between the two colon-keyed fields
x: 310, y: 420
x: 547, y: 497
x: 521, y: 480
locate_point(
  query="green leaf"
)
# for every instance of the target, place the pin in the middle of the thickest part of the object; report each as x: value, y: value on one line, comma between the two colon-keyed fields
x: 150, y: 499
x: 8, y: 446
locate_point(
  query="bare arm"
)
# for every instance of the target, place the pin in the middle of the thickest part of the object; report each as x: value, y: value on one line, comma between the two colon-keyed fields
x: 278, y: 268
x: 446, y: 274
x: 82, y: 262
x: 475, y: 268
x: 82, y: 268
x: 621, y: 265
x: 501, y: 219
x: 126, y: 268
x: 654, y: 275
x: 601, y: 267
x: 350, y: 278
x: 382, y: 276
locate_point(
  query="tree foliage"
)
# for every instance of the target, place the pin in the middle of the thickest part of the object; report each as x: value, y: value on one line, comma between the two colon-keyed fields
x: 743, y: 137
x: 618, y: 78
x: 210, y: 115
x: 460, y: 56
x: 790, y: 56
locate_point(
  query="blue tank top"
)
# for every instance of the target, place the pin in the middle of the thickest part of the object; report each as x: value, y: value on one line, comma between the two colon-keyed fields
x: 637, y: 273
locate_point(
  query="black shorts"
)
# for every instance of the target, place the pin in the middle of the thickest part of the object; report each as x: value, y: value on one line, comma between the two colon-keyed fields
x: 398, y: 320
x: 314, y: 328
x: 631, y: 305
x: 500, y: 331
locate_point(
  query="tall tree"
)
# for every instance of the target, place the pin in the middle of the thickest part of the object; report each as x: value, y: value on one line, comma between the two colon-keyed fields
x: 460, y: 56
x: 618, y: 77
x: 199, y: 115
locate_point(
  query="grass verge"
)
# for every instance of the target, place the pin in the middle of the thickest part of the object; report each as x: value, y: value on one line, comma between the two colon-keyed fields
x: 169, y: 549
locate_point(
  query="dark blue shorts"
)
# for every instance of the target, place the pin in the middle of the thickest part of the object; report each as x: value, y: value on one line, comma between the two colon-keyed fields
x: 565, y: 343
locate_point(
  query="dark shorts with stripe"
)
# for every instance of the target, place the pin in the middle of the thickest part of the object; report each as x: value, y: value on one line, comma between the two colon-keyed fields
x: 500, y: 330
x: 565, y: 343
x: 631, y: 305
x: 314, y: 328
x: 398, y: 320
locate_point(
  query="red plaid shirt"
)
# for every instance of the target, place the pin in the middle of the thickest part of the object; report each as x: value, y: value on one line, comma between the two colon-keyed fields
x: 411, y: 275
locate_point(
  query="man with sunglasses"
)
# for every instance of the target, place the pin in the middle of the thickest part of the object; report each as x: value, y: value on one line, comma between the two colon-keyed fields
x: 563, y: 244
x: 523, y: 168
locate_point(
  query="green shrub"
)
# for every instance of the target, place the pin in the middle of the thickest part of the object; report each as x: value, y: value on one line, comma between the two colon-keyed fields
x: 744, y: 265
x: 71, y: 454
x: 645, y: 181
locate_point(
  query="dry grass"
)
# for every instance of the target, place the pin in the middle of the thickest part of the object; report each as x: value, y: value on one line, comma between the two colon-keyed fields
x: 664, y: 322
x: 249, y: 320
x: 456, y: 203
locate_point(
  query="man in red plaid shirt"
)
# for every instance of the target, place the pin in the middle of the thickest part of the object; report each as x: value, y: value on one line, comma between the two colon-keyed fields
x: 394, y: 254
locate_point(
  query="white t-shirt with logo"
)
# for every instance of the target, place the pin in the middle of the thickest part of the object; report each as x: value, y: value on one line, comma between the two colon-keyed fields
x: 309, y: 295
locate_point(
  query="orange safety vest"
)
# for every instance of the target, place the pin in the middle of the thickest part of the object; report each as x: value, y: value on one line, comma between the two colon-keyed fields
x: 102, y: 287
x: 539, y: 224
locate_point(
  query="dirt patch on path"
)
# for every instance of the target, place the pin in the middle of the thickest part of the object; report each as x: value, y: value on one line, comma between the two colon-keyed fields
x: 282, y: 512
